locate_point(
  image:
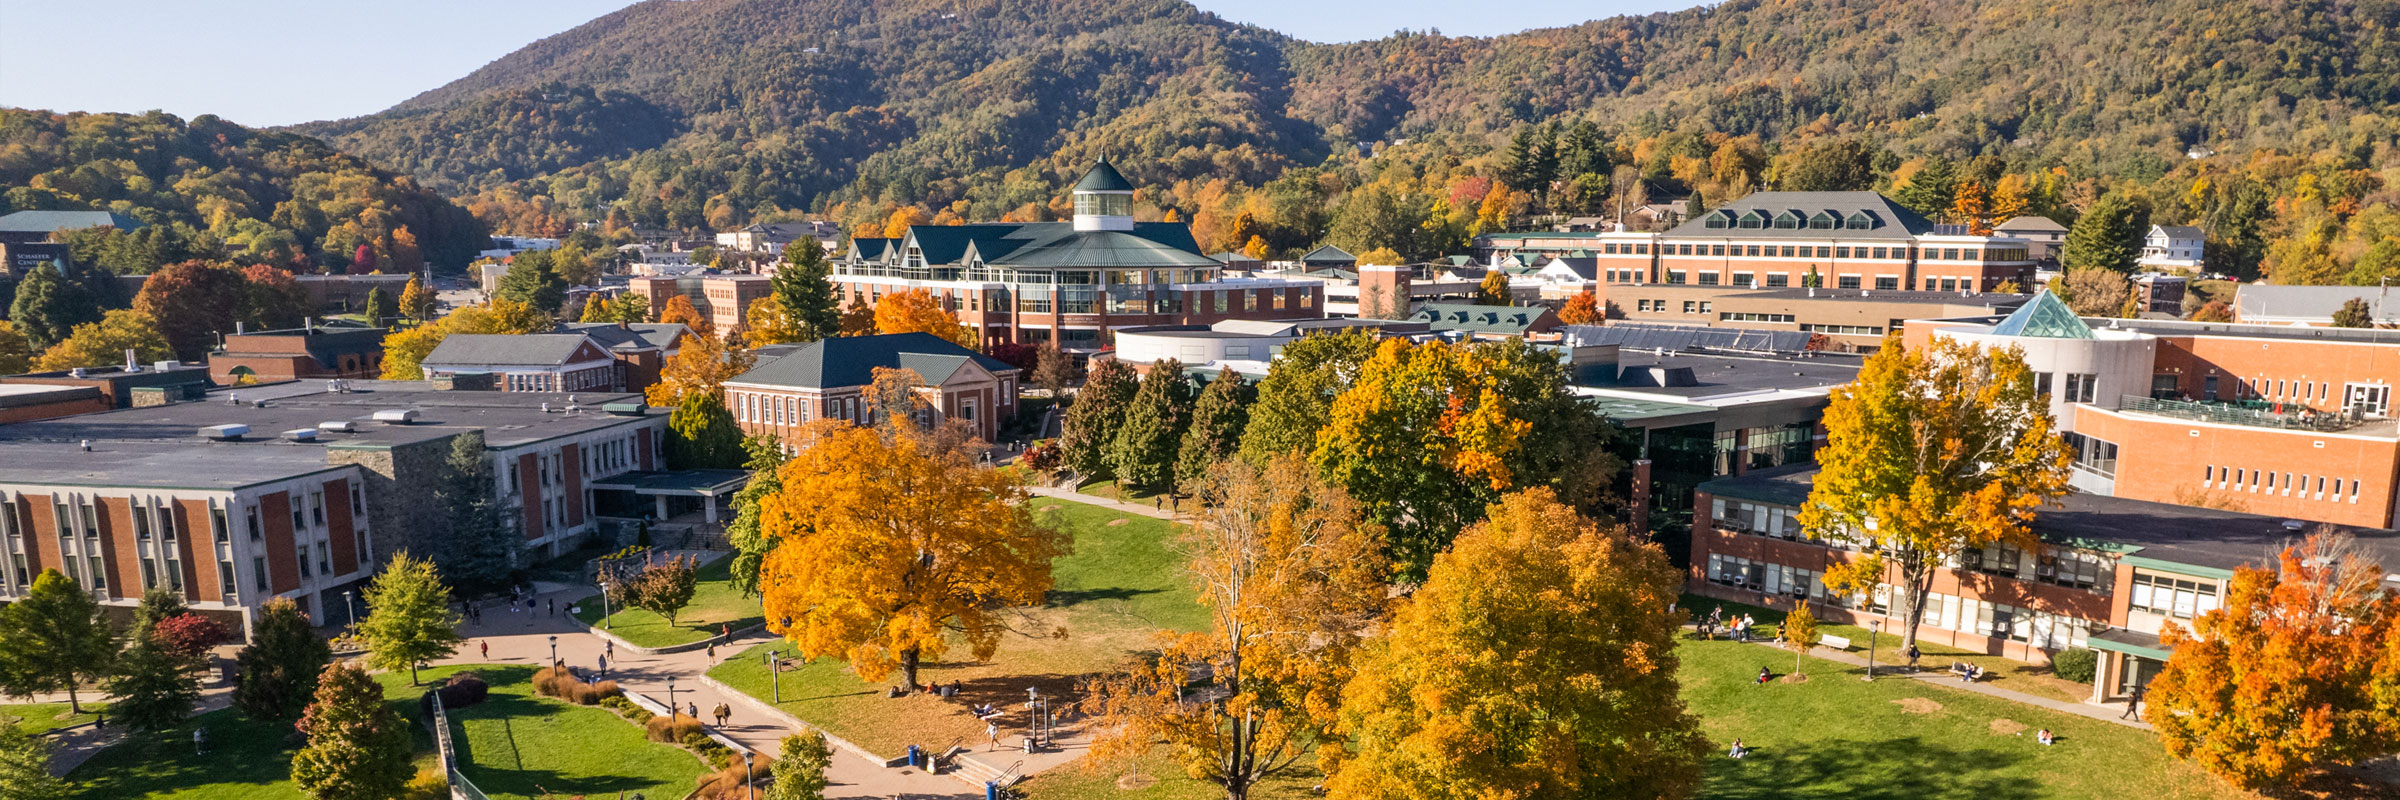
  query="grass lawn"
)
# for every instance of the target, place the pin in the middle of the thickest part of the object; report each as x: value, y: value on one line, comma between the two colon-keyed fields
x: 247, y: 760
x: 39, y: 717
x: 518, y: 745
x: 1120, y: 587
x: 715, y: 604
x: 1154, y: 777
x: 1838, y: 736
x: 2000, y: 671
x: 1124, y: 494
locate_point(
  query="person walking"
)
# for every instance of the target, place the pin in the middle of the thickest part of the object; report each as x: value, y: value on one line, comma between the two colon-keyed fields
x: 487, y: 649
x: 991, y: 729
x: 554, y: 606
x: 2133, y: 704
x: 694, y: 707
x: 722, y: 712
x: 712, y: 652
x: 1912, y: 657
x: 603, y: 667
x: 612, y: 648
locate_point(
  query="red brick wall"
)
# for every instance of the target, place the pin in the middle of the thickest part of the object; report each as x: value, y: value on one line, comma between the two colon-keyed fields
x: 119, y: 548
x: 572, y: 456
x: 529, y: 484
x: 41, y: 533
x: 341, y: 536
x: 80, y: 405
x: 2160, y: 460
x: 283, y: 566
x: 199, y: 549
x: 2193, y: 358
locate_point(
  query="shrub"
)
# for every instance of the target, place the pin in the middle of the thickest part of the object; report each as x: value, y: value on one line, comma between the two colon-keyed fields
x: 726, y: 782
x: 460, y: 691
x: 2075, y: 664
x: 591, y: 694
x: 553, y: 682
x: 670, y: 730
x: 429, y: 784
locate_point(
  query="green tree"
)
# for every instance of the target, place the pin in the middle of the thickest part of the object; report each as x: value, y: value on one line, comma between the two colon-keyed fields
x: 272, y: 299
x: 800, y: 770
x: 157, y: 605
x: 804, y: 285
x: 483, y: 543
x: 1090, y: 428
x: 1473, y: 692
x: 701, y: 434
x: 1296, y: 398
x: 1531, y: 162
x: 1216, y: 430
x: 55, y: 639
x: 632, y: 308
x: 25, y: 767
x: 1933, y: 450
x: 749, y: 541
x: 2109, y: 235
x: 1144, y: 451
x: 280, y: 666
x: 2354, y: 313
x: 381, y: 308
x: 409, y: 621
x: 1932, y: 189
x: 357, y: 746
x: 1826, y: 165
x: 532, y: 278
x: 153, y: 687
x: 104, y: 343
x: 48, y: 307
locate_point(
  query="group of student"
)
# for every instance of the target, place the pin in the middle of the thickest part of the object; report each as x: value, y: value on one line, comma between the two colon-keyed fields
x: 1739, y: 629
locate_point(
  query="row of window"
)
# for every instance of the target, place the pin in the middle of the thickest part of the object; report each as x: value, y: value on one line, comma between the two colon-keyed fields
x: 2059, y: 566
x: 2073, y: 387
x: 2094, y: 455
x: 2175, y: 597
x: 1752, y: 316
x: 2244, y: 479
x: 1843, y: 330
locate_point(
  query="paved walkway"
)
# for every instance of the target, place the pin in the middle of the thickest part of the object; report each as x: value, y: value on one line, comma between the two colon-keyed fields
x: 1103, y: 502
x: 523, y: 638
x: 1888, y: 671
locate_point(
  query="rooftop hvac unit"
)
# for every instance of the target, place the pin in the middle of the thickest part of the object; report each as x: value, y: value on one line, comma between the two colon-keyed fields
x: 338, y: 426
x: 397, y: 416
x: 301, y: 435
x: 225, y: 433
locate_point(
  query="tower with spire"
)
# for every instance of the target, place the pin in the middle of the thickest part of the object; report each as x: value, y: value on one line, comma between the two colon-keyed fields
x: 1103, y: 200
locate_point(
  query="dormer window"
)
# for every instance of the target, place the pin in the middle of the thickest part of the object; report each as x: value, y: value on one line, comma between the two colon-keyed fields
x: 1717, y: 219
x: 1860, y: 221
x: 1787, y: 221
x: 1824, y: 220
x: 1751, y: 220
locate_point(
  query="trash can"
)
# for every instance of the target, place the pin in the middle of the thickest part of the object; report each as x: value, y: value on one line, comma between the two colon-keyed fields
x: 916, y: 758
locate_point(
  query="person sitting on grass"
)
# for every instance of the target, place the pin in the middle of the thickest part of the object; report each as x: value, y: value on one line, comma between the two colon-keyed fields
x: 1763, y: 675
x: 1738, y: 750
x: 2047, y: 738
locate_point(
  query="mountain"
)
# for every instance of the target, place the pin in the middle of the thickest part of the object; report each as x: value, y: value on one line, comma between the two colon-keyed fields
x: 710, y: 113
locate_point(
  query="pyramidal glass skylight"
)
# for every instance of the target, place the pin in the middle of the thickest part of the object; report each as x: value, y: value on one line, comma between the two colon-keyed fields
x: 2044, y: 317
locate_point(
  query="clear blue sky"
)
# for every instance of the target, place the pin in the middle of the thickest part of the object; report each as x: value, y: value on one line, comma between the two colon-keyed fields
x: 276, y: 62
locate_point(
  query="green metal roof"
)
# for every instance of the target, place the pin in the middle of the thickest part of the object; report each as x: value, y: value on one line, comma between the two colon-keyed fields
x: 1103, y: 178
x: 2044, y: 317
x: 1059, y: 244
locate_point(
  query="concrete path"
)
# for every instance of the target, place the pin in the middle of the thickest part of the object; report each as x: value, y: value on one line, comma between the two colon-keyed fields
x: 1886, y: 670
x: 1103, y: 502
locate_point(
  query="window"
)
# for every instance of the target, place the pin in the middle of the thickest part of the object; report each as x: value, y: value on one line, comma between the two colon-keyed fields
x: 1675, y: 276
x: 256, y: 531
x: 1716, y: 249
x: 1845, y: 330
x: 1708, y: 279
x: 1752, y: 316
x: 2093, y: 455
x: 1841, y: 252
x: 1879, y: 252
x: 141, y: 523
x: 1846, y: 282
x: 2174, y: 597
x: 1779, y: 280
x: 1886, y: 283
x: 258, y: 572
x: 2081, y: 387
x: 1691, y: 306
x: 1745, y: 279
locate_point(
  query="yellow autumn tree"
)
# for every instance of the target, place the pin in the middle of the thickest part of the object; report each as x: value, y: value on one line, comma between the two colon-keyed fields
x: 1494, y: 289
x: 887, y: 550
x: 702, y: 364
x: 679, y: 309
x: 1582, y: 309
x: 1931, y: 451
x: 897, y: 224
x: 1289, y: 569
x: 1537, y: 661
x: 918, y: 311
x: 768, y: 323
x: 1255, y: 248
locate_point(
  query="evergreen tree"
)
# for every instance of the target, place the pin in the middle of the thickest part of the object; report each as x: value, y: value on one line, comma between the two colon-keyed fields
x: 1091, y: 424
x: 533, y: 279
x: 1532, y: 160
x: 48, y: 307
x: 157, y: 605
x: 482, y: 546
x: 701, y: 434
x: 16, y: 354
x: 2108, y: 236
x: 2354, y: 313
x: 381, y: 308
x: 750, y: 545
x: 53, y: 640
x: 632, y: 308
x: 357, y: 747
x: 25, y: 767
x: 280, y: 666
x: 409, y: 621
x: 804, y: 285
x: 1932, y: 189
x: 153, y: 688
x: 1145, y: 447
x: 1582, y: 151
x: 1216, y: 430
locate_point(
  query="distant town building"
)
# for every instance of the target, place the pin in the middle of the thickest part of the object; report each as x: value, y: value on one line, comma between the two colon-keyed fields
x: 1853, y: 320
x: 771, y: 237
x: 2177, y: 247
x: 724, y: 299
x: 292, y: 354
x: 2043, y: 236
x: 2160, y: 293
x: 2270, y: 304
x: 827, y: 379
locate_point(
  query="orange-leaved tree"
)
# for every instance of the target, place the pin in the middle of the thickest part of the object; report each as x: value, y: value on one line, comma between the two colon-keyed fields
x: 2298, y: 670
x: 917, y: 311
x: 1538, y: 660
x: 1582, y: 309
x: 887, y: 547
x: 1290, y: 571
x: 702, y: 364
x: 1933, y: 450
x: 680, y: 309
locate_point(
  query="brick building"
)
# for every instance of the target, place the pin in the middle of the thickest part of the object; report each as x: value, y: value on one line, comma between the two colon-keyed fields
x: 828, y: 379
x: 1848, y: 319
x: 724, y: 299
x: 597, y: 356
x: 310, y: 352
x: 1068, y: 282
x: 295, y: 490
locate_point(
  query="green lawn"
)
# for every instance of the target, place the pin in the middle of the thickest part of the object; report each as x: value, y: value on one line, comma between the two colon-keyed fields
x: 715, y: 604
x: 247, y: 760
x: 518, y: 745
x: 2000, y: 671
x: 1838, y: 736
x: 1154, y: 777
x: 1121, y: 586
x: 39, y: 717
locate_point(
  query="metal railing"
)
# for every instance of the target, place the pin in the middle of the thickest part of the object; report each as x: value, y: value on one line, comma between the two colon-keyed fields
x: 460, y: 787
x: 2301, y: 420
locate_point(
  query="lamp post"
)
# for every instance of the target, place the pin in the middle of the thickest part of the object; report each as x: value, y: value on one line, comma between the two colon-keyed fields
x: 1876, y: 628
x: 554, y: 649
x: 749, y: 785
x: 671, y: 712
x: 353, y: 606
x: 775, y: 673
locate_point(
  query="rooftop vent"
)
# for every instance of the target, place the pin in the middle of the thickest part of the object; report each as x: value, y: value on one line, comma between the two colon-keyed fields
x: 633, y: 409
x: 225, y: 433
x: 301, y: 435
x: 338, y: 426
x: 397, y: 416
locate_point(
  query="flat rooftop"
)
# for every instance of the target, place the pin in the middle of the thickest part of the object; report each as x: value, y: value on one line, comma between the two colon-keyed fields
x: 2202, y: 537
x: 1718, y: 374
x: 1985, y: 299
x: 161, y: 446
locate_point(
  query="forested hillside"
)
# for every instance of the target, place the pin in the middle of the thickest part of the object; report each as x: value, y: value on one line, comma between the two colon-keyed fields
x: 713, y: 113
x: 209, y: 187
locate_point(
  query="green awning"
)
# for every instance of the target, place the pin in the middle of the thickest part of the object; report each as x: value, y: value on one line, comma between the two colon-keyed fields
x: 2136, y: 643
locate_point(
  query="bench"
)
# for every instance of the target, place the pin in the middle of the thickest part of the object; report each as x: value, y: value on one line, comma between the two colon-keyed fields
x: 1835, y: 642
x: 1961, y: 668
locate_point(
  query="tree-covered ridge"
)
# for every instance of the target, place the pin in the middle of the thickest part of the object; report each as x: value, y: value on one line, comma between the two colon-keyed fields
x: 261, y: 195
x: 509, y: 135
